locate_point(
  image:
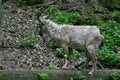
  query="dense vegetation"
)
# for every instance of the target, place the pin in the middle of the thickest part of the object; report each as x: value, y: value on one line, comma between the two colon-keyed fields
x: 114, y: 76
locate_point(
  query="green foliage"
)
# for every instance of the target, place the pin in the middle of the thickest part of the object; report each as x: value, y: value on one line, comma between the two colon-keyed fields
x: 30, y: 2
x: 115, y: 76
x: 111, y: 32
x: 111, y: 4
x: 116, y: 16
x: 99, y: 79
x: 80, y: 76
x: 28, y: 42
x: 99, y: 9
x: 76, y: 54
x: 51, y: 66
x: 108, y: 57
x: 90, y: 20
x: 53, y: 44
x: 63, y: 17
x: 60, y: 52
x: 42, y: 76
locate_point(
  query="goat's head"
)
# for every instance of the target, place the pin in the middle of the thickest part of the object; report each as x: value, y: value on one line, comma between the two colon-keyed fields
x: 44, y: 19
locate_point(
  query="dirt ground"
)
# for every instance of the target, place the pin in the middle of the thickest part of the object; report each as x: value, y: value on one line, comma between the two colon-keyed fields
x: 25, y: 22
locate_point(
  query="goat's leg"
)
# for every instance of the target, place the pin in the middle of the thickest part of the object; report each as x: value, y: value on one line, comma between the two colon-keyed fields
x: 91, y: 49
x: 70, y: 53
x: 72, y: 60
x: 100, y: 65
x: 65, y: 62
x: 87, y: 61
x: 94, y: 62
x: 65, y: 47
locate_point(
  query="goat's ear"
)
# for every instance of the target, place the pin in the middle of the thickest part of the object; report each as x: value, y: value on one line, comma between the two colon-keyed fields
x: 40, y: 18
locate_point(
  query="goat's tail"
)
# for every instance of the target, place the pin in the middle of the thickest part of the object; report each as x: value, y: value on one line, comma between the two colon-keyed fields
x: 102, y: 41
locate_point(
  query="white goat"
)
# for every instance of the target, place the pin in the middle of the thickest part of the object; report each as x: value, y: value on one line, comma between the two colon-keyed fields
x: 87, y: 38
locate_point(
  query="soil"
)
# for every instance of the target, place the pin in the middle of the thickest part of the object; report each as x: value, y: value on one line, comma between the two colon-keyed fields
x: 24, y: 20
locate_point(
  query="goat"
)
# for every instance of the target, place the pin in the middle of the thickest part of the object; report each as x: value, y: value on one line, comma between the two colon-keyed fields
x: 87, y: 38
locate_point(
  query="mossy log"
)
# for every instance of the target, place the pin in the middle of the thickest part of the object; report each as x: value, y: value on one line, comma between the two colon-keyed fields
x: 52, y: 74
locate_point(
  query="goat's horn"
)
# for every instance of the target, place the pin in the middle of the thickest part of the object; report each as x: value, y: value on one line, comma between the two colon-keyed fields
x: 49, y: 12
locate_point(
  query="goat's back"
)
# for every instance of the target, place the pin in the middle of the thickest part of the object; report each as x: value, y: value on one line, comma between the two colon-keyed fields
x: 78, y: 35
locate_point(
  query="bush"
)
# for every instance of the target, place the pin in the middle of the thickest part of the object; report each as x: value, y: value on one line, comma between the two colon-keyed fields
x: 62, y: 17
x: 90, y: 20
x: 99, y: 79
x: 116, y: 16
x: 115, y: 76
x: 76, y: 54
x: 60, y: 52
x: 28, y: 42
x: 53, y: 44
x: 109, y: 58
x: 51, y: 66
x: 111, y: 32
x: 42, y: 76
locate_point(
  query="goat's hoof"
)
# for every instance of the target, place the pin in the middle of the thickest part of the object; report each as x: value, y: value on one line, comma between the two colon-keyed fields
x: 64, y: 67
x: 72, y: 67
x: 90, y: 73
